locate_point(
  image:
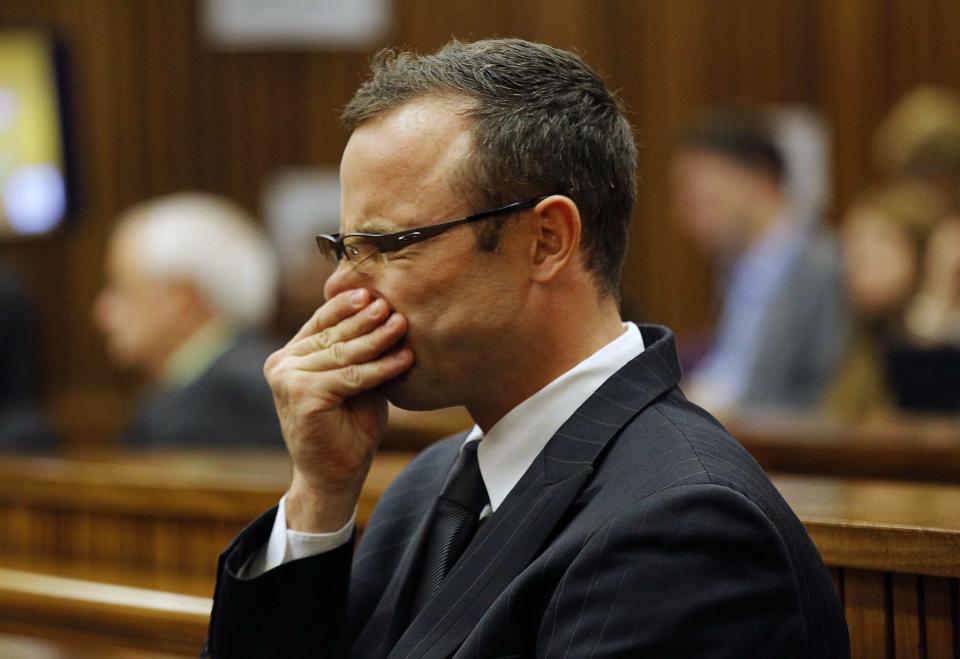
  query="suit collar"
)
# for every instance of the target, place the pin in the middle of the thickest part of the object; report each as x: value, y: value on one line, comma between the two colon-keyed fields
x: 510, y: 539
x: 504, y: 458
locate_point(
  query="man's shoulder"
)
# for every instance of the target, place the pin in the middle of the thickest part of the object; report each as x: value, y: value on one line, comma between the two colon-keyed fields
x: 673, y: 443
x: 818, y: 261
x: 234, y: 380
x: 242, y: 361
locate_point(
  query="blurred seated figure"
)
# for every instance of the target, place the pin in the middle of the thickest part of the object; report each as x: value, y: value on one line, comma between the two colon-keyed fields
x: 22, y: 424
x: 902, y: 247
x: 190, y: 279
x: 919, y: 141
x: 926, y: 370
x: 783, y: 320
x: 885, y: 233
x: 933, y: 318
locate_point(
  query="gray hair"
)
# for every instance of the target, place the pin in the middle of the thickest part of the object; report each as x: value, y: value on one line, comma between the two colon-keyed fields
x: 212, y: 243
x: 543, y: 123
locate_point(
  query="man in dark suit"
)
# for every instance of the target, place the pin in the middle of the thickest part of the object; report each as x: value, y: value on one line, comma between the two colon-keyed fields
x: 592, y: 511
x: 190, y: 277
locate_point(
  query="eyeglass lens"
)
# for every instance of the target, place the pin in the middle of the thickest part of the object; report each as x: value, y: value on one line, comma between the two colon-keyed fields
x: 354, y: 248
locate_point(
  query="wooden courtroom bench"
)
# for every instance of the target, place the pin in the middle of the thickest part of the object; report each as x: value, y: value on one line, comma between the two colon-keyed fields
x: 165, y: 512
x: 86, y: 618
x: 893, y: 549
x: 900, y: 448
x: 159, y: 513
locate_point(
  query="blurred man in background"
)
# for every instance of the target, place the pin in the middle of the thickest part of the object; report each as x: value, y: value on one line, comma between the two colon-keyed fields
x: 783, y: 321
x: 190, y: 278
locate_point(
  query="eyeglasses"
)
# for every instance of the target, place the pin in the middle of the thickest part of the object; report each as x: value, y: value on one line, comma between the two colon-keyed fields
x: 358, y: 247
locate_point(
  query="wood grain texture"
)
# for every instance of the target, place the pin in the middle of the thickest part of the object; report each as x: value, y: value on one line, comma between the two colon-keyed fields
x: 43, y: 605
x: 940, y: 616
x: 864, y: 600
x: 900, y: 448
x: 878, y: 525
x: 906, y: 613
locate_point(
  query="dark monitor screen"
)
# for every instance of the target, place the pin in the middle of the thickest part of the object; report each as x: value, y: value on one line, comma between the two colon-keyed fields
x: 32, y: 167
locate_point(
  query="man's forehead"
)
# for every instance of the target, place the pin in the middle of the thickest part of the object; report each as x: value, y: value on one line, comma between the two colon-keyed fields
x: 406, y: 161
x: 418, y: 133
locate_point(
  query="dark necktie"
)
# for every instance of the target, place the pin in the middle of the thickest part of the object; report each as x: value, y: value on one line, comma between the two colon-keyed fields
x: 458, y: 515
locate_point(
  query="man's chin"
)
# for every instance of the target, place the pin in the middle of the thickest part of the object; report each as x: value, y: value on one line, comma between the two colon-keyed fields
x: 407, y: 392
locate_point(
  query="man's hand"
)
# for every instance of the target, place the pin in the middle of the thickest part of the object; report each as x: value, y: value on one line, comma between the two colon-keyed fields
x: 332, y: 417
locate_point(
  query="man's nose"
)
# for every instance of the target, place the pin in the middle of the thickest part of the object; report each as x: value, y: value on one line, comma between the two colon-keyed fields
x: 344, y: 277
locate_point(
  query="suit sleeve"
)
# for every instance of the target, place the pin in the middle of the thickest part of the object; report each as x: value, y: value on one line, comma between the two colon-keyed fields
x: 295, y: 610
x: 692, y: 571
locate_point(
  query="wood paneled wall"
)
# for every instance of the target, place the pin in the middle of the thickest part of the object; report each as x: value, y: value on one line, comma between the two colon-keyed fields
x: 154, y: 110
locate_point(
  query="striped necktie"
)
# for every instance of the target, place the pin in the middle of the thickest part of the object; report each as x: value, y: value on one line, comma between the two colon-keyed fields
x: 457, y: 517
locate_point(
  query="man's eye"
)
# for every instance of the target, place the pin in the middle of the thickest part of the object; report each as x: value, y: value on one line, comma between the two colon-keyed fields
x: 402, y: 252
x: 353, y: 251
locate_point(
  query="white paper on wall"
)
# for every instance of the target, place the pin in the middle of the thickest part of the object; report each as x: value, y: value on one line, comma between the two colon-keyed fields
x: 343, y: 24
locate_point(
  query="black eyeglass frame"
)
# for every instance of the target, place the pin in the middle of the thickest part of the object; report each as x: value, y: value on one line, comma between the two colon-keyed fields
x: 391, y: 242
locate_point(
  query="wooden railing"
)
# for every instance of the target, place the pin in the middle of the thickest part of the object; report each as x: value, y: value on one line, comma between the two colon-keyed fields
x: 898, y: 448
x: 90, y: 613
x: 161, y: 513
x: 894, y: 552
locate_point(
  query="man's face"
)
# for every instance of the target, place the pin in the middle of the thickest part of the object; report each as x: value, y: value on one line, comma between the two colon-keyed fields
x: 138, y: 315
x: 712, y: 198
x: 461, y: 304
x: 879, y: 262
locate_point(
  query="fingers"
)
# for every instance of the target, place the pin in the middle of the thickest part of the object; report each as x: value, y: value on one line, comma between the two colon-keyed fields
x: 327, y: 390
x: 357, y: 378
x: 367, y: 345
x: 340, y: 307
x: 339, y: 320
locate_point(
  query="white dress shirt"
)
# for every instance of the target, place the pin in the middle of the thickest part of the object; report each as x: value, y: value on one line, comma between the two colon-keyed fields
x: 505, y: 453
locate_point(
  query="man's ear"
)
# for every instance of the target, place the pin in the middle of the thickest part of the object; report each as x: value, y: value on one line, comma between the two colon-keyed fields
x: 187, y: 298
x: 556, y: 234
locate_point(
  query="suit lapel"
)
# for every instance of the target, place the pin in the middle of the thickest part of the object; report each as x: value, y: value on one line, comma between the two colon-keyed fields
x: 509, y: 540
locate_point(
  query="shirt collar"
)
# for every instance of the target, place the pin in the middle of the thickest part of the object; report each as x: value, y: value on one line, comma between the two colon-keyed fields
x: 514, y: 442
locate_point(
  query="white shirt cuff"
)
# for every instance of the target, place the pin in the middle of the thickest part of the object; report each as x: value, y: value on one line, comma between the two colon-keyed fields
x: 286, y: 545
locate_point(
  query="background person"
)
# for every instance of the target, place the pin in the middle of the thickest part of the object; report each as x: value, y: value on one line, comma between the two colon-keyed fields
x: 885, y: 236
x: 783, y: 317
x: 190, y: 280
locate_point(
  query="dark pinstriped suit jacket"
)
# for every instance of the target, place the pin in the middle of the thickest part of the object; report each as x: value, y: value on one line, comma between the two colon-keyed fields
x: 641, y: 530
